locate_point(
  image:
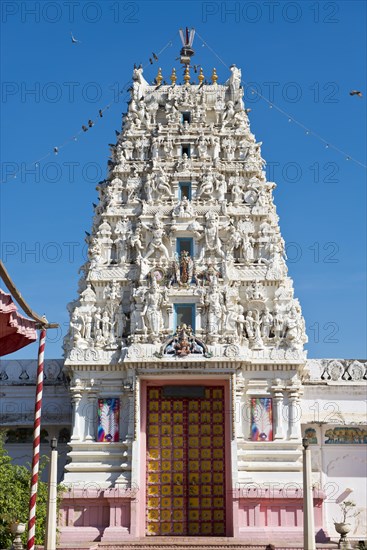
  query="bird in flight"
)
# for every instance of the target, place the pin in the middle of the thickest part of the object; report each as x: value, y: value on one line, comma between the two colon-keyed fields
x: 356, y: 92
x: 73, y: 39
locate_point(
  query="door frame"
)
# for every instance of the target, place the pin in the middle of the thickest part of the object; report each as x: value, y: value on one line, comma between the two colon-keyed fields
x: 148, y: 381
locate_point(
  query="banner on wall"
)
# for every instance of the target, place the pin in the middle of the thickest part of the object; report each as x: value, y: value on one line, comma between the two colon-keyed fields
x: 261, y: 419
x: 108, y: 419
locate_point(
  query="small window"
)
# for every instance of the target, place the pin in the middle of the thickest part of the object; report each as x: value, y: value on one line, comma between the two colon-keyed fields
x: 186, y: 117
x: 185, y: 315
x: 185, y: 244
x: 184, y: 190
x: 185, y: 150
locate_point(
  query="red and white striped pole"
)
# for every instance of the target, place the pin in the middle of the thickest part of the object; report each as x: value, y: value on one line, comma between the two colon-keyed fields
x: 36, y: 443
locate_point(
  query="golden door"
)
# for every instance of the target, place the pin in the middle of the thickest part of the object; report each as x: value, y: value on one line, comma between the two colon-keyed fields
x: 185, y: 461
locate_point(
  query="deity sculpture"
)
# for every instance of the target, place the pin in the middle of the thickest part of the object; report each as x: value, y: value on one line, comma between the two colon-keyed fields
x: 266, y: 323
x: 215, y: 308
x: 212, y: 242
x: 135, y: 242
x: 121, y: 231
x: 162, y: 186
x: 119, y: 322
x: 207, y: 184
x: 152, y: 309
x: 156, y: 243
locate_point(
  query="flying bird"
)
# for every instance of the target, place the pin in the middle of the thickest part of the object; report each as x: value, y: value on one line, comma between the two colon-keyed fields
x: 356, y: 92
x: 155, y: 56
x: 73, y: 39
x: 90, y: 123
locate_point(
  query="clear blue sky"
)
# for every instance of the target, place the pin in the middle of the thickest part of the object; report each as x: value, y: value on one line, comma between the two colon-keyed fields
x: 309, y: 55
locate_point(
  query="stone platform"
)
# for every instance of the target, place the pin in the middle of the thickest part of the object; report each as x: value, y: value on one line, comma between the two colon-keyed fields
x: 184, y: 543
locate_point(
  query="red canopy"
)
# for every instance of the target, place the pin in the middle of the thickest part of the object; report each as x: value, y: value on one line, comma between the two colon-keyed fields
x: 16, y: 331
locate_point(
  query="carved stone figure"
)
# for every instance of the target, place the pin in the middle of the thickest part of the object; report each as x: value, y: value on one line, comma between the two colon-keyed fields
x: 215, y: 148
x: 135, y: 242
x: 278, y: 321
x: 228, y: 115
x: 250, y: 325
x: 212, y: 242
x: 106, y: 325
x: 105, y: 241
x: 216, y: 309
x: 235, y: 79
x: 120, y: 323
x: 184, y: 209
x: 207, y: 184
x: 254, y: 162
x: 294, y: 329
x: 202, y: 146
x: 139, y: 83
x: 162, y: 186
x: 221, y: 188
x: 152, y: 309
x: 266, y: 323
x: 87, y: 325
x: 156, y: 243
x: 121, y: 231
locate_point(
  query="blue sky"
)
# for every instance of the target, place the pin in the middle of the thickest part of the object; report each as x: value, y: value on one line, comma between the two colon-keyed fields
x: 304, y: 57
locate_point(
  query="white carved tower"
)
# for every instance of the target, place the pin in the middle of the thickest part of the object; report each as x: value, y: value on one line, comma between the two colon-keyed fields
x: 185, y: 286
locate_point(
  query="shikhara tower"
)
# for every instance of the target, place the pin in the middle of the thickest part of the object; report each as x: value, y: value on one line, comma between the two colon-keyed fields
x: 185, y: 350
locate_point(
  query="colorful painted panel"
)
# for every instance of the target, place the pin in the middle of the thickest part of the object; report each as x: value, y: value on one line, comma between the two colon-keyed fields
x: 108, y: 419
x: 261, y: 419
x: 346, y: 436
x: 185, y: 463
x: 311, y: 435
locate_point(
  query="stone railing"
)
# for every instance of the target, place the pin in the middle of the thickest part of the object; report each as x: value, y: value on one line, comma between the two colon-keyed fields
x: 337, y: 370
x: 24, y: 371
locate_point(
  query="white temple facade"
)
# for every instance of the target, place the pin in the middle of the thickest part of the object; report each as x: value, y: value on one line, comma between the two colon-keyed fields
x: 189, y: 382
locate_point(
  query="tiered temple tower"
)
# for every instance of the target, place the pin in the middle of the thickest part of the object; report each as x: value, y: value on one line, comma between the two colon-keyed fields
x: 185, y: 350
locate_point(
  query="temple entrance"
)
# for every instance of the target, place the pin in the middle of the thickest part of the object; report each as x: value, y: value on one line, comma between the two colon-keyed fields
x: 185, y: 461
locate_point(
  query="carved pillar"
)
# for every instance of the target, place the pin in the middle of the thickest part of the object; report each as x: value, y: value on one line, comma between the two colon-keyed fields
x: 199, y: 318
x: 169, y: 312
x: 278, y: 409
x: 75, y: 400
x: 239, y: 392
x: 91, y: 413
x: 293, y: 412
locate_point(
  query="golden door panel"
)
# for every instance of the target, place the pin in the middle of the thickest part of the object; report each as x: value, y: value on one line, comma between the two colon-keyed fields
x: 185, y: 463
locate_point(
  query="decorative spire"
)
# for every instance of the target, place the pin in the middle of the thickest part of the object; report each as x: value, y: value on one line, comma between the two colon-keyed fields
x: 187, y: 39
x: 187, y: 75
x: 159, y: 77
x: 201, y: 76
x: 173, y: 77
x: 214, y: 76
